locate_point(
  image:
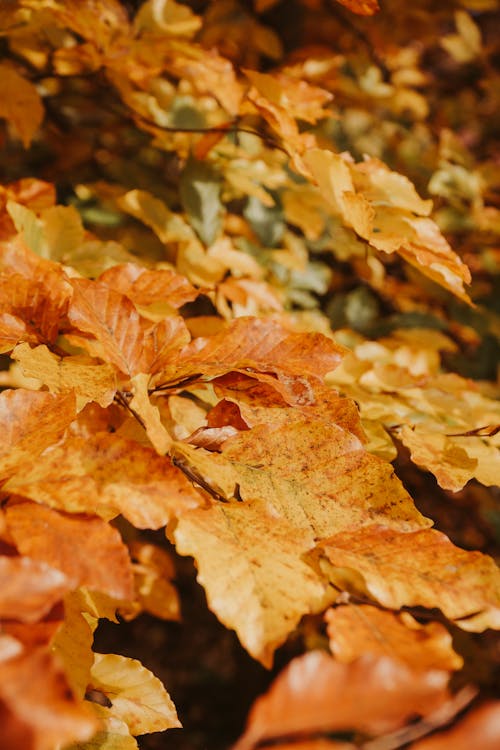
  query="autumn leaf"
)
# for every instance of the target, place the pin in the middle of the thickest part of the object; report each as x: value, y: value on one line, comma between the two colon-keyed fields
x: 119, y: 335
x: 20, y: 104
x: 249, y: 562
x: 144, y: 287
x: 89, y: 381
x: 138, y: 698
x: 29, y: 589
x: 316, y: 694
x: 479, y: 725
x: 355, y: 630
x: 361, y: 7
x: 38, y: 709
x: 422, y: 568
x: 31, y: 421
x: 87, y: 550
x: 263, y: 348
x: 97, y: 476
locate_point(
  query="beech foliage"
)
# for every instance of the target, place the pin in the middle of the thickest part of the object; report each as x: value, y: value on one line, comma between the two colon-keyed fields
x: 249, y: 297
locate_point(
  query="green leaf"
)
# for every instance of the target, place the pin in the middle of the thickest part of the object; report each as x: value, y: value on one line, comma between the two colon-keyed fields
x: 266, y: 221
x: 200, y: 186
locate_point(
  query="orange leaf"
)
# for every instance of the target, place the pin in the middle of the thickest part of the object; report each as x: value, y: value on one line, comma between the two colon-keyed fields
x: 421, y: 568
x: 145, y: 287
x: 355, y: 630
x: 479, y: 728
x: 29, y: 589
x: 315, y: 694
x: 106, y: 475
x: 30, y: 421
x: 121, y: 336
x: 88, y: 551
x: 37, y: 709
x: 20, y: 104
x: 361, y: 7
x: 290, y: 362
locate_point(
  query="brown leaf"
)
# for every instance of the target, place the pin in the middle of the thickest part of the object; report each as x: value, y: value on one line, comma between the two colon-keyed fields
x: 20, y: 104
x: 145, y: 287
x: 37, y: 709
x: 290, y: 362
x: 361, y: 7
x: 479, y: 728
x: 31, y: 421
x: 29, y: 589
x: 355, y: 630
x: 105, y: 475
x: 120, y: 335
x: 316, y: 694
x: 421, y: 568
x: 88, y: 551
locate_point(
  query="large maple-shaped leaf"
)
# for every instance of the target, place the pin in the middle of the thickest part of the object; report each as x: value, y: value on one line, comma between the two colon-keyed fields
x: 30, y: 421
x: 422, y: 568
x: 119, y: 334
x: 138, y: 697
x: 106, y: 475
x: 263, y: 348
x: 250, y: 564
x: 317, y: 694
x: 29, y: 589
x: 355, y: 630
x: 37, y: 709
x: 87, y: 550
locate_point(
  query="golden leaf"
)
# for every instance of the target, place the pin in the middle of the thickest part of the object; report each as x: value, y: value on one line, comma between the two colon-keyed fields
x: 106, y: 475
x: 90, y: 382
x: 31, y: 421
x: 421, y: 568
x: 249, y: 562
x: 20, y: 104
x: 355, y: 630
x: 138, y: 698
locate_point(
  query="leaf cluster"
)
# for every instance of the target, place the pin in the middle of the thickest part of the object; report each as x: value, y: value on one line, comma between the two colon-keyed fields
x: 228, y: 313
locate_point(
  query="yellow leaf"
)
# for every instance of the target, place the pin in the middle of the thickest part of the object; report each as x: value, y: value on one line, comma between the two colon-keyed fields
x: 91, y: 382
x: 141, y: 404
x: 20, y: 104
x: 138, y: 698
x: 113, y: 735
x: 422, y: 568
x: 249, y: 562
x: 105, y: 475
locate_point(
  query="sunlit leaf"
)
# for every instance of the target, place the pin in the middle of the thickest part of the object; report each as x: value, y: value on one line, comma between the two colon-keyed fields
x: 20, y: 104
x: 138, y: 698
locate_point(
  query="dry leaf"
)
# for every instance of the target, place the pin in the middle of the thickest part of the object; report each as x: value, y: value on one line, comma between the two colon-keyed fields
x: 315, y: 693
x: 106, y: 475
x: 355, y: 630
x: 138, y: 698
x: 20, y: 104
x: 87, y: 550
x: 249, y: 562
x: 480, y: 727
x: 30, y: 422
x: 421, y: 568
x: 29, y: 589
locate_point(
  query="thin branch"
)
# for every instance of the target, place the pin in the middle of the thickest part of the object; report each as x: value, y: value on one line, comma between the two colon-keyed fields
x: 362, y: 37
x: 121, y: 399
